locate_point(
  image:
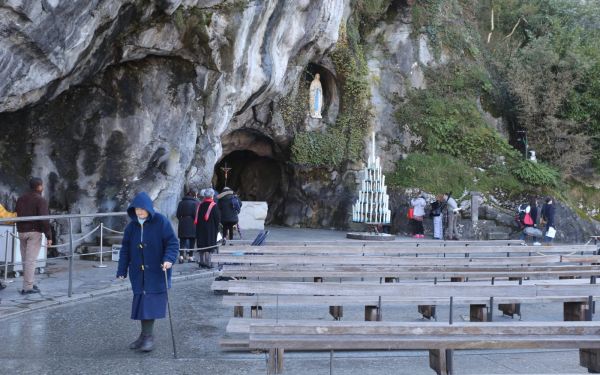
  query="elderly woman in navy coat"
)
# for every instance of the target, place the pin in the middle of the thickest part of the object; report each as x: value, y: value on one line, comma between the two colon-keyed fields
x: 149, y: 248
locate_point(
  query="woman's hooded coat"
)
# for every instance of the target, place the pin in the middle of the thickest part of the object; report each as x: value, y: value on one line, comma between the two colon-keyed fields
x: 149, y: 245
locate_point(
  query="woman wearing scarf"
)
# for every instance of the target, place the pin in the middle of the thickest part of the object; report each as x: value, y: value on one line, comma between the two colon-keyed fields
x: 149, y: 248
x: 207, y: 222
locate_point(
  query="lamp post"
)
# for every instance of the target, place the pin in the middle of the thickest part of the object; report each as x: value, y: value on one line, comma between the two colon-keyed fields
x: 524, y: 140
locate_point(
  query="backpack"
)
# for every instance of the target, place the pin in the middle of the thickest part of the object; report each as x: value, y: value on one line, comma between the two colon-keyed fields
x: 235, y: 204
x: 436, y: 209
x: 520, y: 215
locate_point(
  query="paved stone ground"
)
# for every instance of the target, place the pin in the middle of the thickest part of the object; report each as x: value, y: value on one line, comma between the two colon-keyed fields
x: 51, y: 334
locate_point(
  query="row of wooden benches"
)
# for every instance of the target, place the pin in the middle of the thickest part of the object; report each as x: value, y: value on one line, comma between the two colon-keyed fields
x: 316, y: 263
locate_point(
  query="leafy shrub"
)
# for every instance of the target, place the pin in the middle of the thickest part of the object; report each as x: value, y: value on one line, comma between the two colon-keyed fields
x: 536, y: 174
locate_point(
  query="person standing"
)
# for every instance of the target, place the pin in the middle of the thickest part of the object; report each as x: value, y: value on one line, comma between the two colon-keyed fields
x: 453, y: 213
x: 186, y: 231
x: 30, y: 232
x: 207, y: 222
x: 229, y: 206
x: 436, y: 213
x: 548, y: 218
x: 418, y: 205
x: 149, y: 248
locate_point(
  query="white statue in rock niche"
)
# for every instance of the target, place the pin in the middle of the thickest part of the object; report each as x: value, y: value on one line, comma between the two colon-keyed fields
x: 316, y: 97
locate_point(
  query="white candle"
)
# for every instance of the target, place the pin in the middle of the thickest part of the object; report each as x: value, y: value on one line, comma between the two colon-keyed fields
x: 373, y: 146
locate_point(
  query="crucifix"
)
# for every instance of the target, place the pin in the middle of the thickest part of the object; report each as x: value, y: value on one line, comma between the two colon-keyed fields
x: 225, y: 170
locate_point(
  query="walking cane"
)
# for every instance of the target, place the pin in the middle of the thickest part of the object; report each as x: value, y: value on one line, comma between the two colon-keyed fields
x: 170, y: 320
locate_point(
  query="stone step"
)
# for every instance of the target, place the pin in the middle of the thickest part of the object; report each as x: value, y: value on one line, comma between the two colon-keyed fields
x: 112, y: 240
x: 497, y: 236
x: 86, y: 250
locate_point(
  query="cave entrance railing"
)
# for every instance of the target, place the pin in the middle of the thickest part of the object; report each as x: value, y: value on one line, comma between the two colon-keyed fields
x: 71, y: 244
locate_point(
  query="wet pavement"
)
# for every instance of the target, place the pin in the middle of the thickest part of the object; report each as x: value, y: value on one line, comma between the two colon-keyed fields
x: 89, y: 333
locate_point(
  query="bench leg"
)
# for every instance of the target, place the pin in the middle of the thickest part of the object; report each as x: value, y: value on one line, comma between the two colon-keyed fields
x: 372, y: 314
x: 590, y: 358
x: 510, y: 309
x: 238, y: 311
x: 574, y: 311
x: 256, y: 312
x: 337, y: 312
x: 477, y: 313
x: 428, y: 311
x: 440, y: 361
x: 275, y: 362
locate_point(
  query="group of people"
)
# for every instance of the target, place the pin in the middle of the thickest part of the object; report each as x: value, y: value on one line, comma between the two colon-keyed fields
x: 199, y: 221
x: 529, y: 218
x: 149, y: 248
x: 444, y: 204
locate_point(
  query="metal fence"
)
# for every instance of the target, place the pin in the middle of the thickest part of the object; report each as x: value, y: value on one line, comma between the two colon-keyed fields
x: 71, y: 245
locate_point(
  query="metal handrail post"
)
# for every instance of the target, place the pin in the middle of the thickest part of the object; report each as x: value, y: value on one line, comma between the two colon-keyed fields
x: 71, y: 258
x: 101, y: 265
x: 6, y: 257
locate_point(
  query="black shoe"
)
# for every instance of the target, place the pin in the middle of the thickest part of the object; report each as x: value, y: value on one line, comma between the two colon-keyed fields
x: 2, y: 286
x: 147, y: 343
x: 35, y: 287
x: 137, y: 343
x: 30, y: 291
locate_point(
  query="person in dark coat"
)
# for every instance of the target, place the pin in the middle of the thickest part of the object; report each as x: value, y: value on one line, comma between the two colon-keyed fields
x: 186, y: 231
x: 548, y: 218
x: 229, y: 206
x: 207, y: 222
x: 149, y: 248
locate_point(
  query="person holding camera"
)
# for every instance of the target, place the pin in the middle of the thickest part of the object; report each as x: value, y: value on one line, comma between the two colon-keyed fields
x: 453, y: 215
x: 437, y: 208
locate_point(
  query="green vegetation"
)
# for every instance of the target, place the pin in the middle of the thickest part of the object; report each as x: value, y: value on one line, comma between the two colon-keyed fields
x: 547, y: 55
x: 440, y: 173
x: 538, y: 69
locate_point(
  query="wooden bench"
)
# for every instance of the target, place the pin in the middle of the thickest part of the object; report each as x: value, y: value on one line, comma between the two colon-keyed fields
x: 457, y: 267
x: 403, y: 242
x: 404, y: 250
x: 439, y: 338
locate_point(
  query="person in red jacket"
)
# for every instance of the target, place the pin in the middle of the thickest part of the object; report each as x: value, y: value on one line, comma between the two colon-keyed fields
x: 30, y: 232
x: 207, y: 222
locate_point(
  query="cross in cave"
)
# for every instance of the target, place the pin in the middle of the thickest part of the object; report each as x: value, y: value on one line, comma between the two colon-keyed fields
x: 225, y: 170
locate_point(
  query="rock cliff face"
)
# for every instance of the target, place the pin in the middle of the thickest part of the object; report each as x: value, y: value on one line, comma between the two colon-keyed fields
x: 104, y: 98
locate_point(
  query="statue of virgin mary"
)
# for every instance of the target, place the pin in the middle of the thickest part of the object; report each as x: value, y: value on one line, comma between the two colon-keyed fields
x: 316, y: 97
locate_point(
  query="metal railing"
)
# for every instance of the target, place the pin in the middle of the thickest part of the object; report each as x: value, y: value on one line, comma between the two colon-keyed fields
x: 71, y: 243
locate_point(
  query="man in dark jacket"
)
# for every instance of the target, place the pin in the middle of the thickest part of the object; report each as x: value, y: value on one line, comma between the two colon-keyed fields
x: 149, y: 248
x: 30, y: 232
x: 548, y: 218
x: 207, y: 222
x: 230, y: 206
x: 186, y: 212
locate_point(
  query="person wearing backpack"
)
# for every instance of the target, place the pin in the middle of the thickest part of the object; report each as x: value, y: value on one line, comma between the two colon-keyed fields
x: 230, y: 207
x: 207, y: 221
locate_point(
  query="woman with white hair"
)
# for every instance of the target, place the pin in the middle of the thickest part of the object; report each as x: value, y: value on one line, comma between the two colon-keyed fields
x: 207, y: 222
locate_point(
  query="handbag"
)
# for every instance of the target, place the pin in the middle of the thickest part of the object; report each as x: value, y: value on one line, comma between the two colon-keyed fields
x: 551, y: 232
x: 411, y: 213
